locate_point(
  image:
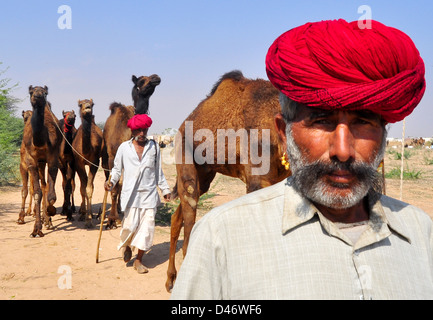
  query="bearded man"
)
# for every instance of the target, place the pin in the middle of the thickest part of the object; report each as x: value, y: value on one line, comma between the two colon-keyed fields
x: 326, y: 232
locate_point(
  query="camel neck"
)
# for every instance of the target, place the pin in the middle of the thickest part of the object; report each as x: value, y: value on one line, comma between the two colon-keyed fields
x: 141, y: 105
x: 67, y: 131
x: 86, y: 122
x: 37, y: 122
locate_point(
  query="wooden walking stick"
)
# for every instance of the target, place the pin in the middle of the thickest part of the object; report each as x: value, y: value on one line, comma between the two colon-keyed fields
x: 104, y: 205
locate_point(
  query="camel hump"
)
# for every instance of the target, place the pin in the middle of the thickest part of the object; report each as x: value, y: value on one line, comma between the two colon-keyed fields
x: 235, y: 75
x: 114, y: 106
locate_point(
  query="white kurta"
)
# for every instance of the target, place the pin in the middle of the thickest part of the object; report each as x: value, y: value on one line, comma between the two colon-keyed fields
x: 139, y: 197
x: 140, y: 178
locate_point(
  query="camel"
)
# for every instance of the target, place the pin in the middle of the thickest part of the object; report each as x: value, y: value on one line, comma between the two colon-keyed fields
x: 27, y: 114
x: 239, y: 107
x: 116, y: 132
x: 41, y: 140
x: 67, y: 162
x: 24, y: 171
x: 87, y: 151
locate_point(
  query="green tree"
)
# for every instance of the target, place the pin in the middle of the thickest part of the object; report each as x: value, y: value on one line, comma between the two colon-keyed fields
x: 11, y: 131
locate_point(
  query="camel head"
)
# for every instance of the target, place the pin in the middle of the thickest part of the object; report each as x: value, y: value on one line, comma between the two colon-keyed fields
x: 86, y: 107
x: 69, y: 117
x: 38, y: 95
x: 144, y: 87
x: 27, y: 115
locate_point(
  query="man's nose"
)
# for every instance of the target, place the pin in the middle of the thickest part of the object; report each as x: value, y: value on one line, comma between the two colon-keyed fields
x: 342, y: 143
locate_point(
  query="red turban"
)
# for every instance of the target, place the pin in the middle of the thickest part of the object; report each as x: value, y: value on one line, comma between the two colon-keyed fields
x: 335, y: 64
x: 139, y: 121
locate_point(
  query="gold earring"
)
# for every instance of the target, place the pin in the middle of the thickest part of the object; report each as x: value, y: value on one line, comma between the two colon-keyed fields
x: 284, y: 161
x: 380, y: 167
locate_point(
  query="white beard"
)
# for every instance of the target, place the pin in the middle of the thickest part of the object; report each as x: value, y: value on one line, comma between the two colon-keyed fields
x: 307, y: 182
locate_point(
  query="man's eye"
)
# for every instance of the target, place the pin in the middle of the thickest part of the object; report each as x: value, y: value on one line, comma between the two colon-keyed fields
x: 363, y: 121
x: 322, y: 121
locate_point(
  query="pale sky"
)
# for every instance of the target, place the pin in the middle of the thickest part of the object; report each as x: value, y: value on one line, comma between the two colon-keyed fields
x: 188, y: 43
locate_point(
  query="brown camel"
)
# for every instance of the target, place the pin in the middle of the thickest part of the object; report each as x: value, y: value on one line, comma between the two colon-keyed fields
x: 238, y: 107
x: 24, y: 171
x: 41, y: 139
x: 116, y: 132
x: 67, y: 162
x: 87, y: 146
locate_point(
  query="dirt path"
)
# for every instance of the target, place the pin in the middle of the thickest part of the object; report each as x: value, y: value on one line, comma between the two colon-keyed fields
x: 41, y: 268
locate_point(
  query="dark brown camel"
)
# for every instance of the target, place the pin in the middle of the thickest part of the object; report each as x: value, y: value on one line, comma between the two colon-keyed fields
x: 67, y: 162
x: 116, y: 132
x: 87, y: 146
x: 24, y: 171
x: 41, y: 139
x: 246, y: 106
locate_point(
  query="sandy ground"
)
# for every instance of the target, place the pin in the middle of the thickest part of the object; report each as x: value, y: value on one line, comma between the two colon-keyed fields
x: 62, y: 265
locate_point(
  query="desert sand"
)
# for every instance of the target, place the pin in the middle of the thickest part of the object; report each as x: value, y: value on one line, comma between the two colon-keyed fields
x: 62, y: 264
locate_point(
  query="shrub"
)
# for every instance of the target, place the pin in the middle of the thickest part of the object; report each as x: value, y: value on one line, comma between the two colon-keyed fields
x: 395, y: 173
x: 11, y: 132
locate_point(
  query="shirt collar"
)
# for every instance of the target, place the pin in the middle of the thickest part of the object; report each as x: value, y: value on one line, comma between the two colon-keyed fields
x: 299, y: 210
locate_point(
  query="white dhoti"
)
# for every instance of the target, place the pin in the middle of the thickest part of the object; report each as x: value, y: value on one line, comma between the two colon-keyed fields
x: 138, y: 228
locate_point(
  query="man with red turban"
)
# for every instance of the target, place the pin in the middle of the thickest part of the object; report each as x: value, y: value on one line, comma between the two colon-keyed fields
x: 327, y: 231
x: 140, y: 161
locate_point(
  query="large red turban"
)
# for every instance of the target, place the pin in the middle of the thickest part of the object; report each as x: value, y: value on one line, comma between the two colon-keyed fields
x: 335, y: 64
x: 139, y: 121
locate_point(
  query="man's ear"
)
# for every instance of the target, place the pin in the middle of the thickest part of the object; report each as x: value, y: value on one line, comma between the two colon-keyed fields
x: 280, y: 125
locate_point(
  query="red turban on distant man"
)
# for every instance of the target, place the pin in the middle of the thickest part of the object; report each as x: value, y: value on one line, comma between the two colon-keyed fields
x: 139, y: 121
x: 336, y: 65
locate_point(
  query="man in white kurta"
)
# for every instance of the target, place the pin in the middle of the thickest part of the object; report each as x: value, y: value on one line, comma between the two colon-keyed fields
x: 140, y: 161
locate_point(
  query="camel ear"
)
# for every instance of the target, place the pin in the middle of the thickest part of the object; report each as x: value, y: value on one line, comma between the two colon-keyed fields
x: 30, y: 89
x: 46, y: 89
x: 79, y: 102
x: 134, y: 79
x: 91, y: 100
x: 63, y: 113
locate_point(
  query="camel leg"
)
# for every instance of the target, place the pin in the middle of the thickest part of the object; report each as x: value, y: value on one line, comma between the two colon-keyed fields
x: 176, y: 226
x: 65, y: 199
x: 189, y: 193
x: 113, y: 217
x: 89, y: 194
x: 67, y: 191
x: 29, y: 209
x: 191, y: 197
x: 73, y: 191
x: 52, y: 176
x: 37, y: 194
x: 83, y: 184
x: 43, y: 185
x: 24, y: 192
